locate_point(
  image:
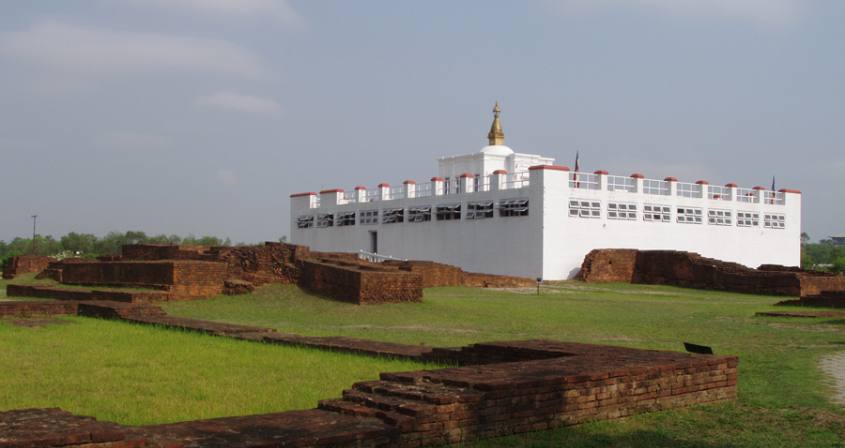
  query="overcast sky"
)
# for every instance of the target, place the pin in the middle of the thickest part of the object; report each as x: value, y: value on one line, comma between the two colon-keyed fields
x: 202, y: 116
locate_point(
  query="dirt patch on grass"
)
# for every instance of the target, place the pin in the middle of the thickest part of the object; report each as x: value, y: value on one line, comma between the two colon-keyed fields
x: 834, y: 365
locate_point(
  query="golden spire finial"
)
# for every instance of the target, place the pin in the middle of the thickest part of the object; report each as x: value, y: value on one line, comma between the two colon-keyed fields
x: 496, y: 136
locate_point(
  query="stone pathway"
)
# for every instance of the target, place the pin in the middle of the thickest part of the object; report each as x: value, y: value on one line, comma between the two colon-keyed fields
x: 834, y: 366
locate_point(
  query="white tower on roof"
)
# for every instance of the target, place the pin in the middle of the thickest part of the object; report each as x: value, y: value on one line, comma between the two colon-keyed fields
x: 495, y: 156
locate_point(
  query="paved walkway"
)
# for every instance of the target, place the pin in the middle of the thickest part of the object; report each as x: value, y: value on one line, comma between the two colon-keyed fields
x: 834, y: 365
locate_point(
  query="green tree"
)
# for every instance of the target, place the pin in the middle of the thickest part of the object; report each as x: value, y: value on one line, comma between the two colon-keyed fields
x: 79, y: 243
x: 839, y: 265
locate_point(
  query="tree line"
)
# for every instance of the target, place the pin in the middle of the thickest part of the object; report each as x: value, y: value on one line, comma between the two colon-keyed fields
x: 87, y: 245
x: 822, y: 256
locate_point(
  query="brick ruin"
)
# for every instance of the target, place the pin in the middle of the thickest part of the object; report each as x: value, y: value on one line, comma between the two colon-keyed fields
x: 496, y: 389
x: 189, y: 272
x: 25, y: 264
x: 691, y: 270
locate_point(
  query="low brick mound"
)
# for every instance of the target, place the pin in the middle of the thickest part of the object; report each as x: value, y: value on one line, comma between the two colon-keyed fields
x: 691, y: 270
x: 59, y: 293
x: 35, y: 428
x: 825, y: 299
x: 25, y: 264
x: 36, y: 308
x: 801, y: 314
x: 311, y: 428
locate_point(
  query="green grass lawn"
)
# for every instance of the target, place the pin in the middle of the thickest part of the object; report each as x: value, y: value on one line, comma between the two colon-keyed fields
x: 135, y: 374
x: 783, y: 396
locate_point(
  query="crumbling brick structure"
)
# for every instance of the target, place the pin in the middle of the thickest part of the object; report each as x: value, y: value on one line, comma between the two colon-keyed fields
x: 181, y: 278
x: 25, y: 264
x: 691, y: 270
x: 438, y: 274
x: 360, y: 284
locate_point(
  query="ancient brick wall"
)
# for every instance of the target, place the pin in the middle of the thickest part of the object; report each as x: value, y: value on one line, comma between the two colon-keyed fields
x: 161, y: 252
x: 355, y: 285
x: 609, y: 265
x: 39, y: 308
x: 25, y: 264
x: 183, y: 278
x: 694, y: 271
x: 496, y: 281
x: 270, y: 263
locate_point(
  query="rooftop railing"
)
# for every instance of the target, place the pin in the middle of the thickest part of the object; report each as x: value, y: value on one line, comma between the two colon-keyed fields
x: 622, y: 183
x: 656, y: 187
x: 587, y: 181
x: 577, y: 180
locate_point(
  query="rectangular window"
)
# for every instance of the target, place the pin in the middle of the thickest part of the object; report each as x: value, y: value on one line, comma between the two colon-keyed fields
x: 690, y: 215
x: 621, y: 210
x: 305, y: 222
x: 657, y: 213
x: 480, y: 210
x: 325, y: 220
x: 392, y: 215
x: 513, y: 207
x: 774, y: 221
x: 579, y: 208
x: 346, y: 219
x: 719, y: 217
x: 368, y: 217
x: 419, y: 214
x: 747, y: 219
x: 449, y: 212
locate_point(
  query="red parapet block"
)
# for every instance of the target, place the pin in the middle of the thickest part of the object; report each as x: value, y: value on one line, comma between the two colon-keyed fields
x: 549, y: 167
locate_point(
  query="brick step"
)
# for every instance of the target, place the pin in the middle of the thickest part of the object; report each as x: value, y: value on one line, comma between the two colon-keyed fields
x: 393, y: 419
x: 426, y: 392
x: 386, y: 403
x: 203, y: 326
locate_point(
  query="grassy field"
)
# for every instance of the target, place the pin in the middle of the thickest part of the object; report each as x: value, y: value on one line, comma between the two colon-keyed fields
x: 134, y: 374
x: 783, y: 396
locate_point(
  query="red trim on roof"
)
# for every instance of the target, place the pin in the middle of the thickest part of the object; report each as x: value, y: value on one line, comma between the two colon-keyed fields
x: 601, y: 172
x: 670, y: 179
x: 437, y: 179
x: 309, y: 193
x: 360, y: 187
x: 702, y: 182
x: 549, y: 167
x: 500, y: 172
x: 469, y: 175
x: 789, y: 190
x: 638, y: 176
x: 410, y: 182
x: 730, y: 185
x: 384, y: 185
x: 758, y: 187
x: 333, y: 190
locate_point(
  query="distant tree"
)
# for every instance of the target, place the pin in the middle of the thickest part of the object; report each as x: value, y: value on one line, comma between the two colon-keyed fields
x: 805, y: 238
x: 838, y: 265
x: 81, y: 243
x: 283, y: 239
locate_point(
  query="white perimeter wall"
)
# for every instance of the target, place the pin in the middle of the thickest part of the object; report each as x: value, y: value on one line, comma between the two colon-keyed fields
x: 549, y: 243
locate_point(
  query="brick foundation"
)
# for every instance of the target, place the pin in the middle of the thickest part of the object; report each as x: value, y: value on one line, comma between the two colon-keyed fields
x: 545, y: 384
x: 361, y: 285
x: 694, y: 271
x: 181, y: 278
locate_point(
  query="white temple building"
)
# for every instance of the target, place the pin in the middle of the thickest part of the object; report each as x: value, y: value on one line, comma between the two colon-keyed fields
x: 497, y: 211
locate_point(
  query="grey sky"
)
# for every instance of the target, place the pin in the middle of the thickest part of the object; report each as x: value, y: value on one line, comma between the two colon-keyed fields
x: 202, y: 116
